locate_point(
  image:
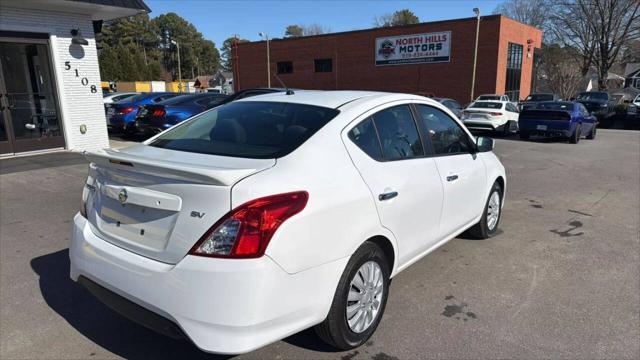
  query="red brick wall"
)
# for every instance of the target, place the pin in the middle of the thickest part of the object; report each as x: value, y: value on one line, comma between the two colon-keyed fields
x: 353, y: 55
x: 516, y: 32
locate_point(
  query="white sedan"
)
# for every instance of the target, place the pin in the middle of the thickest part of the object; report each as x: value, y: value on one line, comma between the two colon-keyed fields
x: 268, y: 215
x: 493, y: 115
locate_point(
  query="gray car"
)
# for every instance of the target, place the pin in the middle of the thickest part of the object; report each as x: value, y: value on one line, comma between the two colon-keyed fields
x: 451, y: 104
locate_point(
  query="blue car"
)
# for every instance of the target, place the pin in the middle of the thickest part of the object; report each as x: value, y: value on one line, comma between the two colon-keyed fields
x: 120, y: 114
x: 558, y: 118
x: 154, y: 118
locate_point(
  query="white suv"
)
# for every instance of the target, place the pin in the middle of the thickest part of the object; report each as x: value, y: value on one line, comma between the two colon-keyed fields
x: 495, y: 115
x: 266, y: 216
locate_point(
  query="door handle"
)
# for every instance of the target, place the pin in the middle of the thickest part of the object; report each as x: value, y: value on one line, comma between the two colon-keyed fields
x: 452, y: 177
x: 387, y: 195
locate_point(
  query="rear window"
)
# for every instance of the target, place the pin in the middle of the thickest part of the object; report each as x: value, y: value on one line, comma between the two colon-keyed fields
x: 486, y: 105
x: 555, y: 106
x: 539, y: 97
x: 136, y: 98
x: 489, y: 97
x: 257, y: 130
x: 593, y: 96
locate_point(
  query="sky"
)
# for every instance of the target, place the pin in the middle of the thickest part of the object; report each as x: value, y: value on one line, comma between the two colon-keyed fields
x: 218, y: 20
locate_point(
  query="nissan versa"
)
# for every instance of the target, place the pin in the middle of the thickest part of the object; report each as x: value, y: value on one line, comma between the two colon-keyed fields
x: 265, y: 216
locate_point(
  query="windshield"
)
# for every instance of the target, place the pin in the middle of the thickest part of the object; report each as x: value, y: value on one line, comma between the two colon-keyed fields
x: 486, y: 105
x: 488, y: 97
x: 566, y: 106
x: 593, y: 96
x: 539, y: 97
x: 637, y: 99
x: 258, y: 130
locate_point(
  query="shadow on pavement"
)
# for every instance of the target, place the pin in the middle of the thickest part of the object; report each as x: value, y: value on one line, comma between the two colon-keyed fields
x: 45, y: 161
x: 100, y: 324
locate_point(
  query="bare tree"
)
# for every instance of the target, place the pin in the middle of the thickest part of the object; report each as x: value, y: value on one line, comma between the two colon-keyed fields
x: 531, y: 12
x: 568, y: 27
x: 398, y: 18
x: 315, y: 29
x: 615, y: 23
x: 557, y: 70
x: 384, y: 20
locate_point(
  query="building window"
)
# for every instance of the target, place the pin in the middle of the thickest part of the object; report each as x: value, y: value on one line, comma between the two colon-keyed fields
x: 285, y: 67
x: 323, y: 65
x: 514, y: 71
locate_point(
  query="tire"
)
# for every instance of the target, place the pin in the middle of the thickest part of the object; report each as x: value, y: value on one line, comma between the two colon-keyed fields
x: 484, y: 229
x: 506, y: 129
x: 524, y: 135
x: 335, y: 329
x: 592, y: 134
x: 575, y: 138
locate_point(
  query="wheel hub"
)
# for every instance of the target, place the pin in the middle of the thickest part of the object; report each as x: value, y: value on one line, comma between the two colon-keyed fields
x: 365, y: 297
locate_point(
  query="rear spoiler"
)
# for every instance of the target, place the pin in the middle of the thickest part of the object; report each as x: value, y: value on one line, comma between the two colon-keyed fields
x: 200, y: 173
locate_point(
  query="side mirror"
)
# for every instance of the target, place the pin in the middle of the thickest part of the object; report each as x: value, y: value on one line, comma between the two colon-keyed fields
x: 484, y: 144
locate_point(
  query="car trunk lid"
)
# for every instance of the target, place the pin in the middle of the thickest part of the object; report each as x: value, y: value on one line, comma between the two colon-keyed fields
x: 158, y: 202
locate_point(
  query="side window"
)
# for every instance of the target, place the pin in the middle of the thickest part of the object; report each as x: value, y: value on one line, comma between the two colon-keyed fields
x: 364, y: 135
x: 511, y: 108
x: 446, y: 136
x: 398, y: 133
x: 455, y: 105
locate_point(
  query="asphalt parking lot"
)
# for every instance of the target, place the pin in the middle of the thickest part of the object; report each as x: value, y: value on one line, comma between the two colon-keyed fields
x: 561, y: 280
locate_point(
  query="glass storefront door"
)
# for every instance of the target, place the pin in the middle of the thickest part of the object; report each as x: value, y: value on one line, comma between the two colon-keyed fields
x: 29, y: 117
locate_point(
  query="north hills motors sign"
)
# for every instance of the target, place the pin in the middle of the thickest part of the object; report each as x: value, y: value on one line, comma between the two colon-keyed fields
x: 414, y: 49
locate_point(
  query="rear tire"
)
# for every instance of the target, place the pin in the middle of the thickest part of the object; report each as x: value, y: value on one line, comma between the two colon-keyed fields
x: 488, y: 224
x: 575, y: 138
x: 342, y: 330
x: 592, y: 134
x: 506, y: 130
x: 524, y: 135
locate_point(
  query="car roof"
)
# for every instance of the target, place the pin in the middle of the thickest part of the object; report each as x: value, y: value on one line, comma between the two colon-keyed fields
x: 331, y: 99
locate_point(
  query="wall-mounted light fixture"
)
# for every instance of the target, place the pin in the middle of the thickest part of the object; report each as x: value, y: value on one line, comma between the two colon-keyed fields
x: 77, y: 38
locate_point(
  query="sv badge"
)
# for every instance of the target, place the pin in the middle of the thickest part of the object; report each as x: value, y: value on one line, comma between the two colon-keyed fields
x: 199, y: 215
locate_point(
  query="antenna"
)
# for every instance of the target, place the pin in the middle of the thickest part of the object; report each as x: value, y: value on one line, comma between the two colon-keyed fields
x: 289, y: 91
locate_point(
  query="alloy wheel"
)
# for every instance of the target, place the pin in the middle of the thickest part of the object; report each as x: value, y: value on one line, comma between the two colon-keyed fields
x: 365, y: 297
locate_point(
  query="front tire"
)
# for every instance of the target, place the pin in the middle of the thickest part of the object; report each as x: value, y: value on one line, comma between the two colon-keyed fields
x: 359, y: 301
x: 488, y: 224
x: 592, y: 134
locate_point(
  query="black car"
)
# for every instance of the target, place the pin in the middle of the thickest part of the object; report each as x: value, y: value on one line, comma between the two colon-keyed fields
x: 598, y: 102
x: 531, y: 101
x: 451, y: 104
x: 154, y: 118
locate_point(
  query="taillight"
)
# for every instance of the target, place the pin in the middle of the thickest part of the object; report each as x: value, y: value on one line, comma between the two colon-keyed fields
x: 495, y: 113
x: 127, y: 110
x: 158, y: 112
x: 246, y: 231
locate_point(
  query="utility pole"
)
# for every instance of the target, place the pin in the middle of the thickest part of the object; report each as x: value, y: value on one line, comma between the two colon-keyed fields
x: 266, y: 36
x: 179, y: 68
x: 475, y: 52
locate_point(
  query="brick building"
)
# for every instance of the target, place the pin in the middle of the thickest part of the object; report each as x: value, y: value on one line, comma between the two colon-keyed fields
x: 428, y: 58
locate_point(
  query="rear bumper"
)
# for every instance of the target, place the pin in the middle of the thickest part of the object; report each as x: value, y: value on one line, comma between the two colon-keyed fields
x: 222, y: 305
x: 477, y: 124
x: 547, y: 127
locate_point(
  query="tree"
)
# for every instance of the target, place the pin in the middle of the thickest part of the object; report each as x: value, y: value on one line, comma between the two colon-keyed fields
x: 315, y: 29
x: 557, y: 70
x: 398, y: 18
x: 294, y: 31
x: 615, y: 23
x: 227, y: 51
x: 531, y: 12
